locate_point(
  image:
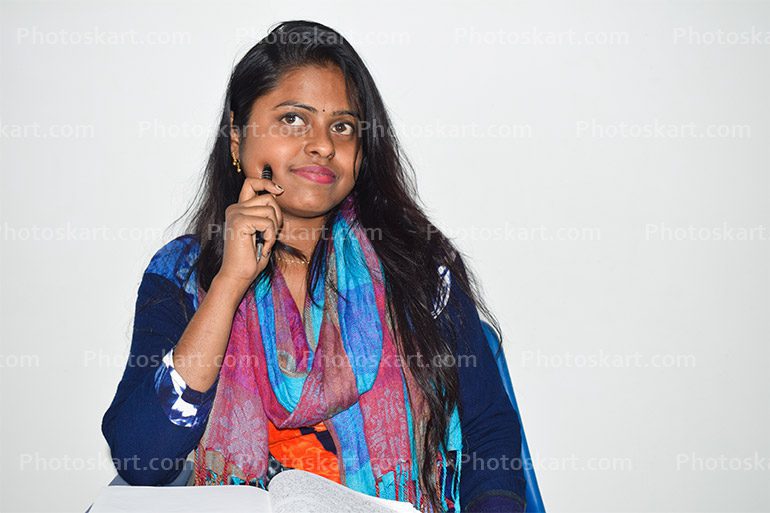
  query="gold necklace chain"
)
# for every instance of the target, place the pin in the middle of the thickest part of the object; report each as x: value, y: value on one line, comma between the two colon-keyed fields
x: 291, y: 260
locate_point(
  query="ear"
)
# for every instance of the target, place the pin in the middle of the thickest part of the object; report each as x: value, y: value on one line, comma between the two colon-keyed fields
x: 235, y: 140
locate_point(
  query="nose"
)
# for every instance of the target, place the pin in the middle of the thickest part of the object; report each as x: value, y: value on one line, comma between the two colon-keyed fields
x: 319, y: 144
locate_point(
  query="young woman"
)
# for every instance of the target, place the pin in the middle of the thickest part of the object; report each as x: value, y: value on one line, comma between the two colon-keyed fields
x: 351, y: 346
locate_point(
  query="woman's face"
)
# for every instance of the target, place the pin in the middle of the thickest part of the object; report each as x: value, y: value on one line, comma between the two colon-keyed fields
x: 305, y: 121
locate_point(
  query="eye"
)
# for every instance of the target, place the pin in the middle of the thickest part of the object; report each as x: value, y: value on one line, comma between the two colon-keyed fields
x: 342, y: 125
x: 292, y: 116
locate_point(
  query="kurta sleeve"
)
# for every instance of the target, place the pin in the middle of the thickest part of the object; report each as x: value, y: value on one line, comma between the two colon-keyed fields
x: 183, y: 405
x: 155, y: 420
x: 492, y: 479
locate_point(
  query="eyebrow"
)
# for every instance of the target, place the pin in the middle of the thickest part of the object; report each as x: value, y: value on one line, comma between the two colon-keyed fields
x: 295, y: 103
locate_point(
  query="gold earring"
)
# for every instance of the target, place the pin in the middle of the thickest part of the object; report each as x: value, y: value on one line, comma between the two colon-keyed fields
x: 237, y: 164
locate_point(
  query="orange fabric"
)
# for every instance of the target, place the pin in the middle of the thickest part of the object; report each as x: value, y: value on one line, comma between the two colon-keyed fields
x: 293, y: 449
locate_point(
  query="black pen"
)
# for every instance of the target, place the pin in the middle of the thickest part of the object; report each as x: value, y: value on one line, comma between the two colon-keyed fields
x: 267, y: 173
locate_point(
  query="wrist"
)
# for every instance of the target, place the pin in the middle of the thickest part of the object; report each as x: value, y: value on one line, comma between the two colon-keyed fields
x: 232, y: 288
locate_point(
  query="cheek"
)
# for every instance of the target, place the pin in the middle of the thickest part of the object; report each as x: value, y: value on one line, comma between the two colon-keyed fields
x: 352, y: 159
x: 275, y: 148
x: 274, y: 151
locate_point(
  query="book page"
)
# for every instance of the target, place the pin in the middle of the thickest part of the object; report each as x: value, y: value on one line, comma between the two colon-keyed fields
x: 299, y: 491
x: 182, y: 499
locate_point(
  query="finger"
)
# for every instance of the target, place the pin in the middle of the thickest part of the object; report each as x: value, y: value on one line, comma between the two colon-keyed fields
x: 266, y: 200
x: 255, y: 224
x: 262, y: 211
x: 268, y: 247
x: 269, y: 239
x: 251, y: 186
x: 248, y: 225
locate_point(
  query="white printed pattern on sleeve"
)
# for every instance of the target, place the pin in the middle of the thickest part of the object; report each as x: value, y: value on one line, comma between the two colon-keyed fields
x: 170, y: 387
x: 446, y: 285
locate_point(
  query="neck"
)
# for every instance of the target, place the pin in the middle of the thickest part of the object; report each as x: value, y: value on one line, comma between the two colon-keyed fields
x: 302, y: 233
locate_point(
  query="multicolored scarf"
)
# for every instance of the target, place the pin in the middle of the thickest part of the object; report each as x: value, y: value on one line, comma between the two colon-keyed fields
x: 340, y: 367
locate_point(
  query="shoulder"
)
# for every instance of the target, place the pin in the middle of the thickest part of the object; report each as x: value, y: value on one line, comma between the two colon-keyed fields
x: 174, y: 257
x: 175, y: 261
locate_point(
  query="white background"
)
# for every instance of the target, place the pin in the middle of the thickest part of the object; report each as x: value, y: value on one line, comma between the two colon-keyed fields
x: 597, y: 163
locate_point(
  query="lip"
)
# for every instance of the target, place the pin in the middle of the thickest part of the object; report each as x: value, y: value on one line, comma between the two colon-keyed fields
x: 318, y: 174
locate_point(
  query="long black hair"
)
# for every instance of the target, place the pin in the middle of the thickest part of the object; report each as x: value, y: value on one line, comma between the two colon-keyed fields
x: 410, y: 248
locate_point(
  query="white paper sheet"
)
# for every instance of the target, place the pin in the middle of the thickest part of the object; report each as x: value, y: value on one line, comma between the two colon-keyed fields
x: 182, y: 499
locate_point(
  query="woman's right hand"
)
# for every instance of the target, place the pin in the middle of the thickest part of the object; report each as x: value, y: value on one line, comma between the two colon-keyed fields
x: 253, y: 213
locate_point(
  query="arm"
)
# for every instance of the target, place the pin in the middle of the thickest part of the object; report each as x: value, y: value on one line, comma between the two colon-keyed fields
x: 154, y: 421
x: 158, y: 414
x: 490, y: 425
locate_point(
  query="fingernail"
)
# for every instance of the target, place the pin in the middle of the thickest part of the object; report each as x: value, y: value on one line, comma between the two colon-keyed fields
x: 281, y: 188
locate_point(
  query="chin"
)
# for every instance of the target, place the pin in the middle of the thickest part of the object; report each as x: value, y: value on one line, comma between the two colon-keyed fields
x: 311, y: 205
x: 309, y: 210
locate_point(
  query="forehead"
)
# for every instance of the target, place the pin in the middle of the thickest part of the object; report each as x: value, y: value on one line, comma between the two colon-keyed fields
x: 320, y: 87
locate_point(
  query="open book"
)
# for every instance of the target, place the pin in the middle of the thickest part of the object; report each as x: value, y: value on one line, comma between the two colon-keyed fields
x: 289, y: 491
